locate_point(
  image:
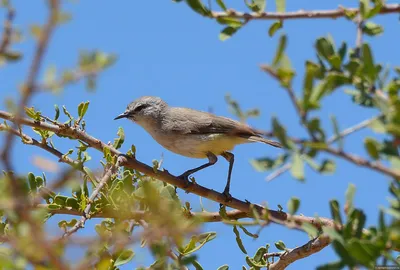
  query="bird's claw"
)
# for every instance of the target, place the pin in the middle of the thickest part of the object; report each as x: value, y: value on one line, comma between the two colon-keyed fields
x: 228, y: 196
x: 185, y: 178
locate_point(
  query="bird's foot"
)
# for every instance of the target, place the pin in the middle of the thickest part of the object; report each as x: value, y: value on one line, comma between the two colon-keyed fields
x: 228, y: 196
x: 185, y: 178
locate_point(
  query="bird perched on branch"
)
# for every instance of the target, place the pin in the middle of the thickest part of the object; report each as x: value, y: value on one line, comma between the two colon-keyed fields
x: 192, y: 133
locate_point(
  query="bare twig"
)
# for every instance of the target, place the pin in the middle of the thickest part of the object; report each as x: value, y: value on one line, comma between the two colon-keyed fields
x: 86, y: 213
x: 301, y: 14
x: 281, y: 170
x: 363, y: 162
x: 31, y: 141
x: 359, y: 36
x: 298, y: 253
x: 353, y: 129
x: 7, y: 32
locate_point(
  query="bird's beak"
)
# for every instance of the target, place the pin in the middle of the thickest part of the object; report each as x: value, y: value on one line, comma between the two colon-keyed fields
x: 122, y: 115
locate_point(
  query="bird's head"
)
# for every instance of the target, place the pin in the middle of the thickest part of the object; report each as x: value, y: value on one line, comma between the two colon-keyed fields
x: 143, y: 109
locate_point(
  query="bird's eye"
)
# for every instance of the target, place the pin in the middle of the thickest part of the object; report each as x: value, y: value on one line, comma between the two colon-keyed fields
x: 139, y: 108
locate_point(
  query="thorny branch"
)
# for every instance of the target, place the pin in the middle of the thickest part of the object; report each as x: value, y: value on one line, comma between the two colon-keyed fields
x: 301, y: 14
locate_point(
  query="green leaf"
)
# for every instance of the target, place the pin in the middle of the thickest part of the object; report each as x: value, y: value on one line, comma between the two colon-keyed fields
x: 223, y: 267
x: 73, y: 203
x: 50, y: 75
x: 239, y: 240
x: 378, y: 126
x: 280, y: 51
x: 60, y: 200
x: 261, y: 4
x: 364, y: 8
x: 332, y: 81
x: 253, y: 264
x: 67, y: 114
x: 372, y: 147
x: 201, y: 239
x: 369, y: 67
x: 310, y: 229
x: 197, y: 265
x: 265, y: 164
x: 335, y: 211
x: 325, y: 48
x: 36, y: 31
x: 11, y: 55
x: 82, y: 108
x: 31, y: 113
x: 32, y: 182
x: 198, y: 7
x: 362, y: 252
x: 376, y: 9
x: 333, y: 234
x: 293, y: 205
x: 259, y: 254
x: 336, y: 130
x: 120, y: 140
x: 274, y: 27
x: 342, y: 51
x: 124, y: 257
x: 351, y: 190
x: 228, y: 32
x: 280, y: 245
x: 221, y: 4
x: 280, y: 5
x: 256, y: 5
x: 280, y: 133
x: 337, y: 265
x: 372, y: 29
x: 297, y: 168
x: 63, y: 17
x: 235, y: 23
x: 255, y: 236
x: 57, y: 109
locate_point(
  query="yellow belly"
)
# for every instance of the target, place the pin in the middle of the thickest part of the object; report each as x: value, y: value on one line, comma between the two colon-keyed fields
x: 197, y: 146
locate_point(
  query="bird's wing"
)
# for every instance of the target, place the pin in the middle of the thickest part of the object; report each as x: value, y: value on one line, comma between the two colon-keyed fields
x: 190, y: 121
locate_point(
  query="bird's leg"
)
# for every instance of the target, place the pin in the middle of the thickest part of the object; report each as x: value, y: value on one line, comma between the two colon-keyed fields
x: 230, y: 158
x: 212, y: 159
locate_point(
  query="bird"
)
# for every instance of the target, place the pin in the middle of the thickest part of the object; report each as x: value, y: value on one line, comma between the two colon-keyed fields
x: 192, y: 133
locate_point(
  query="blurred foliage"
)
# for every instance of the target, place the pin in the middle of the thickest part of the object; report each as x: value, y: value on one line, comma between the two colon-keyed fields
x: 138, y: 209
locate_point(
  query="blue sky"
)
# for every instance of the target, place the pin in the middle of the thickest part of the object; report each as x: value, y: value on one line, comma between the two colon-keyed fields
x: 166, y: 50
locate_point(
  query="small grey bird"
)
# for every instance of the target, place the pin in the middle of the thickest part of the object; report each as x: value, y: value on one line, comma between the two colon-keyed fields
x: 192, y: 133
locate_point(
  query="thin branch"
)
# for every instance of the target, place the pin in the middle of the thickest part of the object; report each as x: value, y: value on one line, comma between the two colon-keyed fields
x: 202, y: 216
x: 359, y: 35
x: 363, y: 162
x: 298, y: 253
x: 31, y: 141
x: 353, y: 129
x: 278, y: 172
x: 301, y: 14
x: 7, y: 32
x: 86, y: 213
x: 277, y: 217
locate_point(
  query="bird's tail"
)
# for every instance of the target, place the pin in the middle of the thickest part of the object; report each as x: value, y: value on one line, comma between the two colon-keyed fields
x: 263, y: 140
